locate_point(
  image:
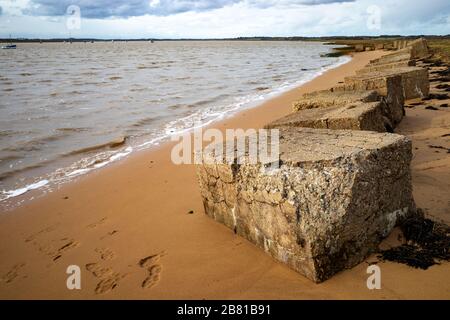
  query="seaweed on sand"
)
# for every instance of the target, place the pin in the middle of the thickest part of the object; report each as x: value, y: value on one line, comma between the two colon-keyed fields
x: 437, y: 96
x: 339, y: 51
x: 445, y: 72
x: 427, y: 244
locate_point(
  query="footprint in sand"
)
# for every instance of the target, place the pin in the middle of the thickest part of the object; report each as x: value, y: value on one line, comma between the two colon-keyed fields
x: 109, y: 234
x: 108, y: 278
x: 52, y: 248
x: 98, y: 271
x: 105, y: 253
x: 154, y: 275
x: 40, y: 232
x: 109, y: 283
x: 149, y: 261
x: 68, y: 244
x: 96, y: 224
x: 154, y: 269
x: 13, y: 273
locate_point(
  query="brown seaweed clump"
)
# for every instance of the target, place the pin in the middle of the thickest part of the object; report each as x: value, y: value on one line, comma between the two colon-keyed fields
x: 427, y: 244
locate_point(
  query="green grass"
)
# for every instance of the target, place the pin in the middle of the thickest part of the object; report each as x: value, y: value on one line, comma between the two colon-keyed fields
x: 441, y: 48
x: 439, y: 45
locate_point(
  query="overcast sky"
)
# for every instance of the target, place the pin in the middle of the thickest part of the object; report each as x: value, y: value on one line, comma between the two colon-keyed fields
x: 220, y: 18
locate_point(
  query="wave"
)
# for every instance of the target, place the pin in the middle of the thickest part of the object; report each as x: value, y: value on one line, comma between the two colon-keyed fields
x: 89, y: 73
x: 7, y: 133
x: 145, y: 121
x: 100, y: 163
x: 36, y: 143
x: 138, y: 89
x: 116, y: 143
x: 72, y: 129
x: 10, y: 157
x: 143, y: 67
x: 17, y: 192
x: 12, y: 173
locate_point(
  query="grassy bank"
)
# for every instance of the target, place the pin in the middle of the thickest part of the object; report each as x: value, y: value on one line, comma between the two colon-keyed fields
x: 441, y: 48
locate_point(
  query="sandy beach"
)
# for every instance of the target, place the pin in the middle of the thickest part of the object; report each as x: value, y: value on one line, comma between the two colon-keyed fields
x: 110, y: 220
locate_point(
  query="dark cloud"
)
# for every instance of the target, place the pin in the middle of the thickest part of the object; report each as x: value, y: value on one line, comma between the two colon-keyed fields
x: 317, y: 2
x: 270, y: 3
x: 128, y: 8
x: 122, y: 8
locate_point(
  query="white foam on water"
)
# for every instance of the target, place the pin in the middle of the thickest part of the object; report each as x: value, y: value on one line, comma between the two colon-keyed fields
x: 58, y: 178
x: 20, y: 191
x: 111, y: 159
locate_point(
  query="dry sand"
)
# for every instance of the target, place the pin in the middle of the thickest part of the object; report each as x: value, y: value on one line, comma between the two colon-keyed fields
x: 109, y: 220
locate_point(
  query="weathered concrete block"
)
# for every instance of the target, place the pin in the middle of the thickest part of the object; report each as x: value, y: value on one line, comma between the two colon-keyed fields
x: 379, y: 46
x: 353, y: 116
x: 396, y: 56
x: 415, y: 81
x: 386, y: 67
x: 387, y: 85
x: 400, y: 44
x: 328, y: 98
x: 359, y: 47
x: 419, y: 48
x: 407, y: 50
x: 336, y: 194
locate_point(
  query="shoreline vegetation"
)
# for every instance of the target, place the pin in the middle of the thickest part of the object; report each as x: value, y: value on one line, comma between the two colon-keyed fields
x: 114, y: 221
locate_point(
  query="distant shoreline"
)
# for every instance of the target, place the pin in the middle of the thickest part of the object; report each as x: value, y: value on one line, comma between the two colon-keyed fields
x: 256, y: 38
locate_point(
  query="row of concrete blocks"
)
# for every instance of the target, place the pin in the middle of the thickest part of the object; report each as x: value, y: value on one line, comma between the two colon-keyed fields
x: 338, y: 190
x: 391, y: 45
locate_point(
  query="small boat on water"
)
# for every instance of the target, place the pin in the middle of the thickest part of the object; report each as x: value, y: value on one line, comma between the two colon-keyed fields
x: 9, y: 46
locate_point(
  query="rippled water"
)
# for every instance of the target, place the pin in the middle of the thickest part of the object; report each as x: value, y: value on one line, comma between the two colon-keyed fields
x: 66, y: 108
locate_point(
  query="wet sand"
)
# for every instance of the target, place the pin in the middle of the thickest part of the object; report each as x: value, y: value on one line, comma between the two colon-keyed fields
x: 109, y: 221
